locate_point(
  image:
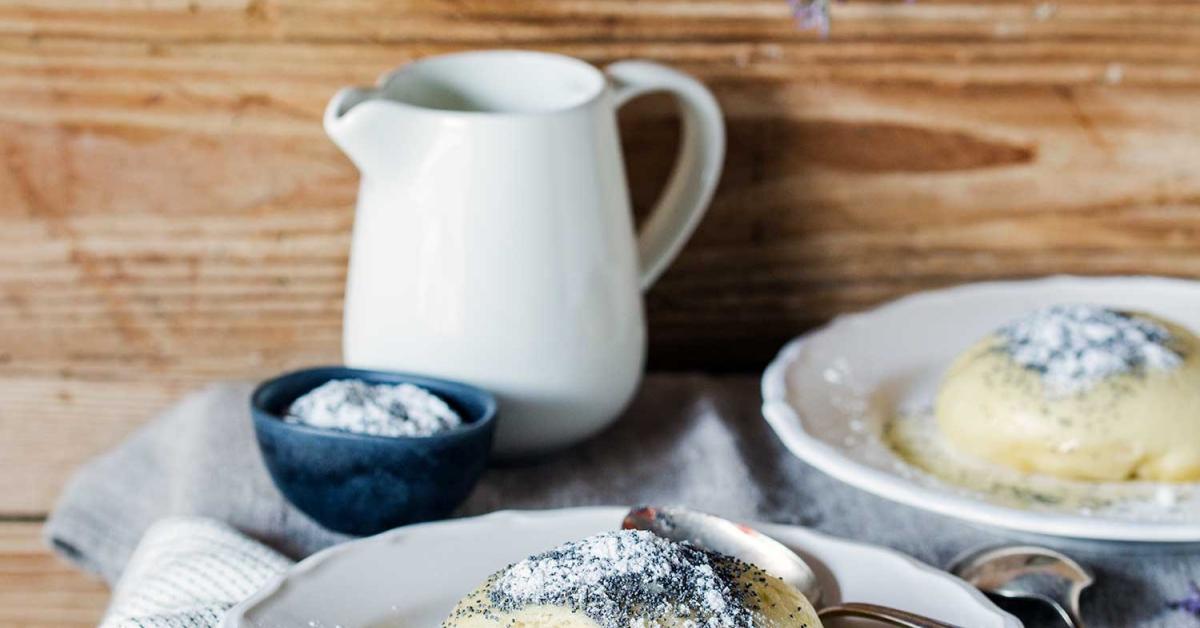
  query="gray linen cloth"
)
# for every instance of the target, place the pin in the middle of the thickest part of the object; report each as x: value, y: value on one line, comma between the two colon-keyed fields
x: 687, y: 439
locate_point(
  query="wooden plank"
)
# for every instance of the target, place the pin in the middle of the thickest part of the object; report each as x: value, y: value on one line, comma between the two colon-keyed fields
x: 833, y: 199
x: 380, y: 21
x: 52, y: 425
x: 39, y: 591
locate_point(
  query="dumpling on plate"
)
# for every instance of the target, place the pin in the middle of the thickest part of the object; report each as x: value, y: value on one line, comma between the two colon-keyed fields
x: 632, y: 579
x: 1080, y: 392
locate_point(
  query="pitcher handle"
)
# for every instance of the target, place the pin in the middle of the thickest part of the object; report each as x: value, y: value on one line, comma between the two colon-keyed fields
x: 696, y: 171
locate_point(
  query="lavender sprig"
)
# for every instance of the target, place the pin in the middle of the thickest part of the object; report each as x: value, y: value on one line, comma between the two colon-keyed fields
x: 811, y: 15
x: 814, y: 14
x: 1190, y: 603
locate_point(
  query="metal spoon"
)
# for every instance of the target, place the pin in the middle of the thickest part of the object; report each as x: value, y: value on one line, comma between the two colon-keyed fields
x: 1028, y: 571
x: 748, y: 545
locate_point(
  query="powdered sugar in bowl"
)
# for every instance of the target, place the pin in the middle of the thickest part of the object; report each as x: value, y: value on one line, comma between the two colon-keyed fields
x: 362, y: 451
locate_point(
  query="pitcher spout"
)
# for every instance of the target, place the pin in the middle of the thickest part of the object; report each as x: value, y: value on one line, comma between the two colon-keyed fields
x: 354, y: 118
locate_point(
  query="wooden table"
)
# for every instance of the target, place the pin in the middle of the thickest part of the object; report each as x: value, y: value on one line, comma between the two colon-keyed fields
x: 174, y: 214
x: 38, y: 590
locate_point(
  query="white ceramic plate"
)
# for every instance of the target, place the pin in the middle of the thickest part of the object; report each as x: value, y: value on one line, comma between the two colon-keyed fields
x: 829, y: 392
x: 412, y: 576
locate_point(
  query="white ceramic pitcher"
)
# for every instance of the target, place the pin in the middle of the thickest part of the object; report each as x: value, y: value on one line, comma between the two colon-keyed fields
x: 493, y: 241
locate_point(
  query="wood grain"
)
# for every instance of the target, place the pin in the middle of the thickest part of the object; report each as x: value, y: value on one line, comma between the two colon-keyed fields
x: 39, y: 591
x: 174, y: 214
x: 51, y: 425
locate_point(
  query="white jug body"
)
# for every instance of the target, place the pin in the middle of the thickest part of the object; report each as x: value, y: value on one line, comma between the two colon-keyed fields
x: 493, y: 241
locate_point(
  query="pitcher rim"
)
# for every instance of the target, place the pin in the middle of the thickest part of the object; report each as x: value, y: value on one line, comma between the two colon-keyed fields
x: 601, y: 85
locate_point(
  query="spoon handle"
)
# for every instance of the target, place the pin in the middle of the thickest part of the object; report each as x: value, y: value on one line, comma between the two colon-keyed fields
x: 1068, y: 607
x: 890, y: 616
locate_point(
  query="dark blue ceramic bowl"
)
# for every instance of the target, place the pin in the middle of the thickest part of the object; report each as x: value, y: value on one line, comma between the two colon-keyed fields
x: 360, y: 484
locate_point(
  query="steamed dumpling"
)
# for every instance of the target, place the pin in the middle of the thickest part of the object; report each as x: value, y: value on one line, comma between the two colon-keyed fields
x: 1080, y: 392
x: 632, y: 579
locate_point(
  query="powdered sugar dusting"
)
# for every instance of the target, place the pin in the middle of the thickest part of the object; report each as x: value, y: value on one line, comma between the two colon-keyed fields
x: 1074, y: 347
x: 616, y: 577
x: 353, y: 405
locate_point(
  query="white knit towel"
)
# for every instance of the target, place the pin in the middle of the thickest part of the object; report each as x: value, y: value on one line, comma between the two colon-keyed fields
x: 187, y: 572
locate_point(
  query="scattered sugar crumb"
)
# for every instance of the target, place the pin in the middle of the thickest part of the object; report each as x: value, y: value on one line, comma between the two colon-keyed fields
x: 1044, y: 11
x: 1114, y: 74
